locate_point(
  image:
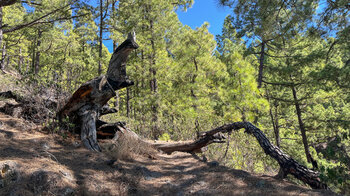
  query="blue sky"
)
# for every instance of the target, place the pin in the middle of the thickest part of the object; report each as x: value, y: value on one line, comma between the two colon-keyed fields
x: 205, y: 10
x: 201, y: 11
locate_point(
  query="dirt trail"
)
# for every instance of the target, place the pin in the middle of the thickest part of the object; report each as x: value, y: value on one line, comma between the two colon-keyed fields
x: 46, y: 164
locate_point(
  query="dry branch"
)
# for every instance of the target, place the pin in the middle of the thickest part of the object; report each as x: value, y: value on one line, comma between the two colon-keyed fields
x: 288, y: 164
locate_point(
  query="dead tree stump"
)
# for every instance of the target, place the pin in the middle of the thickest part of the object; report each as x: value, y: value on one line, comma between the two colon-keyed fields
x: 86, y: 103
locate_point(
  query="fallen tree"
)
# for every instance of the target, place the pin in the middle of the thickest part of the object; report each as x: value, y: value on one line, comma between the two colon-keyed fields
x: 287, y: 163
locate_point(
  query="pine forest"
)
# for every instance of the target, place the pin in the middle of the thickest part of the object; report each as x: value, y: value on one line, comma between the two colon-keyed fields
x: 269, y: 95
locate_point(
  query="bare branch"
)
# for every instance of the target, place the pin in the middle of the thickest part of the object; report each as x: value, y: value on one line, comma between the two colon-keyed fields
x: 4, y: 3
x: 35, y: 21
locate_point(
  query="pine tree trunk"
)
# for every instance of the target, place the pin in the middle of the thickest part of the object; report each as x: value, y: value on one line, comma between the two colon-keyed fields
x: 302, y: 129
x: 27, y: 65
x: 37, y: 55
x: 128, y: 102
x: 261, y: 63
x: 154, y: 85
x: 2, y: 67
x: 3, y: 57
x: 100, y: 40
x: 20, y: 61
x: 197, y: 126
x: 33, y: 55
x: 274, y: 120
x: 116, y: 102
x: 7, y: 61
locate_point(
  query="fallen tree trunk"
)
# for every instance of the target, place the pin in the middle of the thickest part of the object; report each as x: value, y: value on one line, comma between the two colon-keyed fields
x: 196, y: 146
x: 86, y: 103
x: 288, y: 164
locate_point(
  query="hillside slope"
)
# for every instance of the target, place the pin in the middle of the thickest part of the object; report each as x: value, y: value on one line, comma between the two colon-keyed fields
x: 36, y: 163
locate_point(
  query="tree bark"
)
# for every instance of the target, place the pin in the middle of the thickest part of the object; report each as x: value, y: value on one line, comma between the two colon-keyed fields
x: 86, y: 103
x: 288, y: 164
x: 3, y: 57
x: 261, y: 63
x: 7, y: 2
x: 153, y: 80
x: 20, y: 61
x: 100, y: 40
x: 116, y: 102
x: 37, y: 55
x: 39, y: 20
x: 1, y: 40
x: 27, y: 65
x: 128, y: 102
x: 302, y: 129
x: 274, y: 120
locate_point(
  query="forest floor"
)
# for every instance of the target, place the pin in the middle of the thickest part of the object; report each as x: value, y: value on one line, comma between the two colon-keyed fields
x: 48, y: 164
x: 38, y: 162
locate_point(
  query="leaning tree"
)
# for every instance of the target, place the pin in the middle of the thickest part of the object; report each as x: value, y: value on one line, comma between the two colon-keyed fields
x: 87, y: 104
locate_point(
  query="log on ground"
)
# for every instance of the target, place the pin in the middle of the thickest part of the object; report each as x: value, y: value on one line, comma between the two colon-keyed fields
x: 288, y: 164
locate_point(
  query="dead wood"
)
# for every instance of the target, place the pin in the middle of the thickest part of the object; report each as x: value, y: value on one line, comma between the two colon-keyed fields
x: 107, y: 110
x: 196, y: 146
x: 86, y: 103
x: 288, y: 164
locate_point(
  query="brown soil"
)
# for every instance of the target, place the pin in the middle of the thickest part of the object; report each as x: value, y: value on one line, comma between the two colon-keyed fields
x: 47, y: 164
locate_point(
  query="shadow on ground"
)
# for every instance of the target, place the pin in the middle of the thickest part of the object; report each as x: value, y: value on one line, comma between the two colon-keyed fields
x: 47, y: 164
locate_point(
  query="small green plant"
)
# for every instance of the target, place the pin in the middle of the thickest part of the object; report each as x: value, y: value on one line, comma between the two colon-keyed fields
x: 165, y: 137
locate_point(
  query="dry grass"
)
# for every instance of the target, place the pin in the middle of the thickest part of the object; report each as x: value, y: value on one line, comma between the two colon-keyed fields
x: 127, y: 147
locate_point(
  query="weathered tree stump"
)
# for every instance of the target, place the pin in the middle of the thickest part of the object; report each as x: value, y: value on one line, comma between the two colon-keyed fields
x: 87, y: 103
